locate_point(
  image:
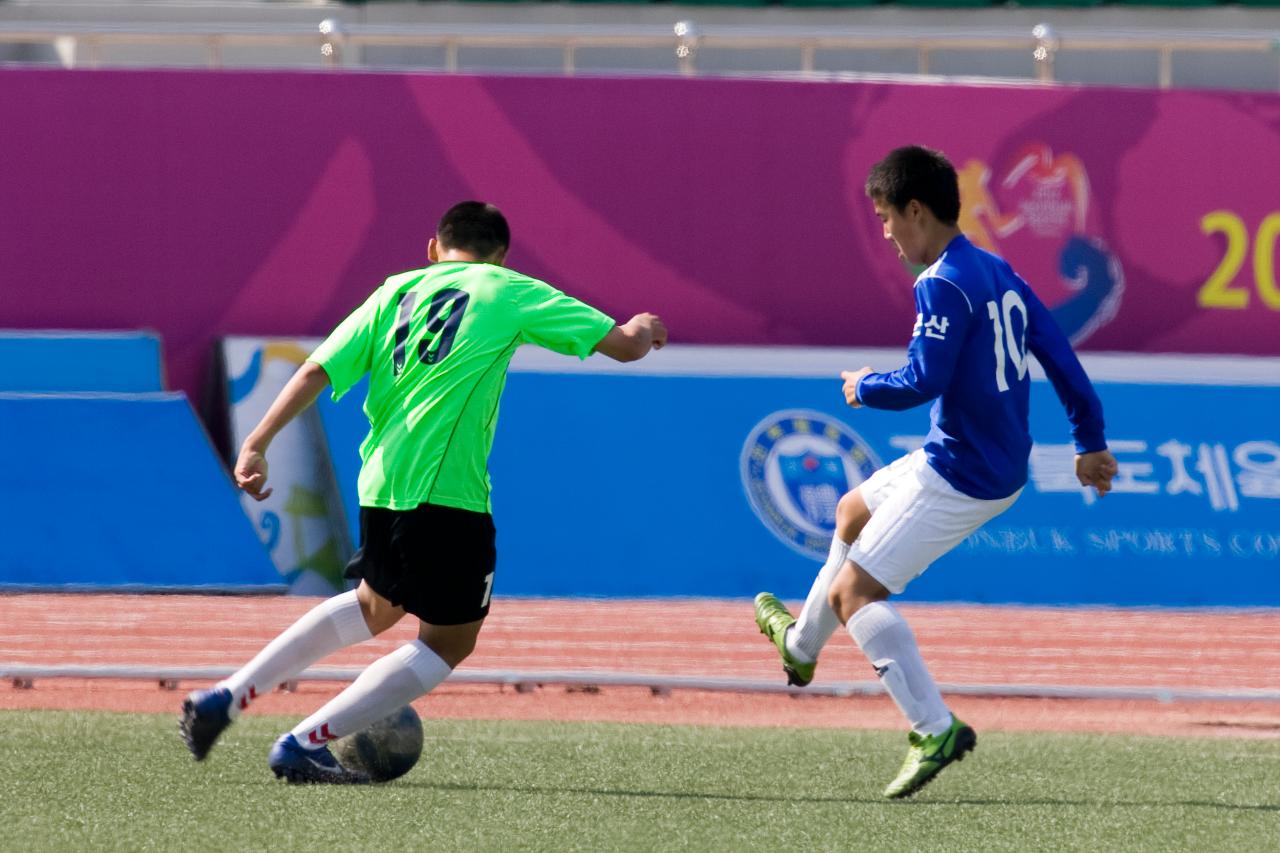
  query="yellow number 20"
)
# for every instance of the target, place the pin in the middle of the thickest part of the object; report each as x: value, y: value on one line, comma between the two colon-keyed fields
x: 1264, y: 269
x: 1218, y: 292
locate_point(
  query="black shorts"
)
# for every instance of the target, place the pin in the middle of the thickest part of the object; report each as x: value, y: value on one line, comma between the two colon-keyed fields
x: 436, y: 562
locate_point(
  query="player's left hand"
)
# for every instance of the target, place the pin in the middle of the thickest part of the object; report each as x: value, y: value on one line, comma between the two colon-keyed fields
x: 1096, y: 469
x: 851, y: 379
x: 657, y: 330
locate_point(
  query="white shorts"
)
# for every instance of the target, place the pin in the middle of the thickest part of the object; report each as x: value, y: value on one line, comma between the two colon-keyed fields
x: 916, y: 517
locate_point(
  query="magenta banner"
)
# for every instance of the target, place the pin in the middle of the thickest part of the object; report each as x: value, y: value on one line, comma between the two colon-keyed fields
x: 205, y: 204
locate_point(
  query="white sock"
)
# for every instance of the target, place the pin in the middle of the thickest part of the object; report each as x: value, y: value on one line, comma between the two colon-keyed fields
x: 817, y: 621
x: 333, y: 624
x: 386, y: 685
x: 887, y: 641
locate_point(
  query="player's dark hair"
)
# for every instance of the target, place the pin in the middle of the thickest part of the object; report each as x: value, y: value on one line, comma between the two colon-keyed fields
x: 916, y: 172
x: 475, y: 227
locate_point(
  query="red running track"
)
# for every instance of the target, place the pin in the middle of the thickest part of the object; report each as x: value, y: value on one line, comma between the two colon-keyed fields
x: 970, y: 644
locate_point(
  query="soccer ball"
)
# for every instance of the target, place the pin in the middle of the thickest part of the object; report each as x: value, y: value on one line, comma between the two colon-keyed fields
x: 386, y: 750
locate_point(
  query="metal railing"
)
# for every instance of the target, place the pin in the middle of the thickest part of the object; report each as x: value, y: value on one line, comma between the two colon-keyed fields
x: 341, y: 45
x: 24, y: 677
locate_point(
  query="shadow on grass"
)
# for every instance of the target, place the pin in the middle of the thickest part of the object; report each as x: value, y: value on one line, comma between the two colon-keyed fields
x: 1093, y: 804
x: 768, y: 798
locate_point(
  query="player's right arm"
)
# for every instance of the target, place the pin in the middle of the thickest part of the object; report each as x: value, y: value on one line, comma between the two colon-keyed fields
x: 943, y: 316
x: 341, y: 360
x: 300, y: 392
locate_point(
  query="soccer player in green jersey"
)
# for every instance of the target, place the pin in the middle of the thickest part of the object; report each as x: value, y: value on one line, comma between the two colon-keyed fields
x: 435, y: 344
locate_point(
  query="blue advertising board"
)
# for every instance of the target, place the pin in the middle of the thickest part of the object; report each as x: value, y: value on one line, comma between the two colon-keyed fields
x: 119, y: 491
x: 52, y: 362
x: 715, y: 472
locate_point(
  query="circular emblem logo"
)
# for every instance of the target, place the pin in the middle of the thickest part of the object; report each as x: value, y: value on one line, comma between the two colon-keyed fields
x: 796, y: 465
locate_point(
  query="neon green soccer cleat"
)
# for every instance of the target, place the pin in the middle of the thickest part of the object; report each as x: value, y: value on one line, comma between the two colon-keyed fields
x: 929, y: 754
x: 773, y: 620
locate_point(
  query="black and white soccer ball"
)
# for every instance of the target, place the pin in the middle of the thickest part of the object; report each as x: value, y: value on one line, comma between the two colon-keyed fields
x: 385, y: 750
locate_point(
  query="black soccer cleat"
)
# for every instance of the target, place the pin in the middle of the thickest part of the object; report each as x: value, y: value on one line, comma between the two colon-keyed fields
x: 205, y: 715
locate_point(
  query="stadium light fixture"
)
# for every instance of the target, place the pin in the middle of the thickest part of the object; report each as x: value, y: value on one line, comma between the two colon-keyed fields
x: 688, y: 37
x: 331, y: 43
x: 1047, y: 44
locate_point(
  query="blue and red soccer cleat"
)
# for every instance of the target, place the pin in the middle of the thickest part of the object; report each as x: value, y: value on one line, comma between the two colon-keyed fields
x: 300, y: 766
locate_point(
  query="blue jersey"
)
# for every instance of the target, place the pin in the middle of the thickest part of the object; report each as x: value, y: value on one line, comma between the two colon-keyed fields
x: 977, y: 325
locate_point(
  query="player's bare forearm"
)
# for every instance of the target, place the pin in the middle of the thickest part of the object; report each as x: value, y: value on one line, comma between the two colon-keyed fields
x: 634, y: 339
x: 301, y: 391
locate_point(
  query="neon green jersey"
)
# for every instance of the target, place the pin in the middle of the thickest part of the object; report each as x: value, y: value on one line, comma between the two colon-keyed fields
x: 436, y: 343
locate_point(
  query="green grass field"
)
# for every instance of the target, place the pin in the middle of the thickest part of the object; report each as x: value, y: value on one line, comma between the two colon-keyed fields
x: 74, y: 781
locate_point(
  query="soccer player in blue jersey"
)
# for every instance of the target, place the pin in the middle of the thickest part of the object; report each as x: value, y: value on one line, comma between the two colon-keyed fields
x: 977, y: 325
